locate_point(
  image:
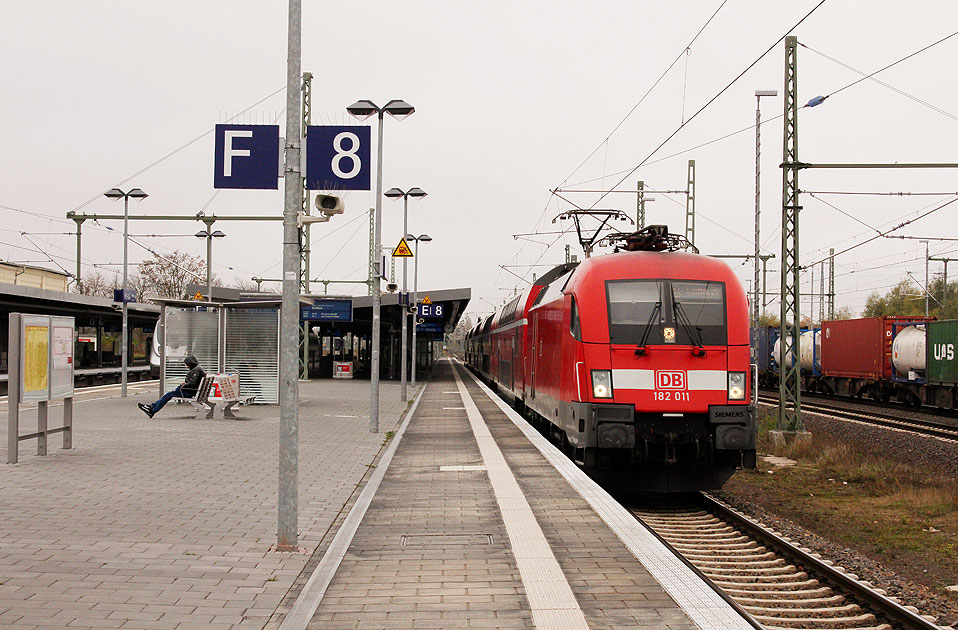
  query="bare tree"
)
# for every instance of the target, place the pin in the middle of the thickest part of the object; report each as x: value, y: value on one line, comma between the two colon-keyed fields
x: 167, y: 275
x: 98, y: 284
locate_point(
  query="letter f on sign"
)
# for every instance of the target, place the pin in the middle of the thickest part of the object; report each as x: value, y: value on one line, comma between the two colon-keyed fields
x: 229, y: 151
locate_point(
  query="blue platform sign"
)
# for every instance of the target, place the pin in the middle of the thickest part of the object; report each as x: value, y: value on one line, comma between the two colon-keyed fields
x: 118, y: 295
x: 327, y: 311
x: 429, y: 327
x: 246, y: 156
x: 337, y: 157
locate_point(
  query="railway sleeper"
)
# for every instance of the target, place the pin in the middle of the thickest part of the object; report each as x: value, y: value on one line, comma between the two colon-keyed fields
x: 770, y: 581
x: 666, y: 530
x: 704, y: 537
x: 810, y: 602
x: 790, y: 612
x: 718, y: 546
x: 795, y: 593
x: 739, y: 565
x: 780, y: 569
x: 883, y: 626
x: 751, y: 555
x: 838, y: 623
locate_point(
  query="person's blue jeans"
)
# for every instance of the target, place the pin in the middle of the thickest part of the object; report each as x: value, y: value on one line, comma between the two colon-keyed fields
x: 167, y: 397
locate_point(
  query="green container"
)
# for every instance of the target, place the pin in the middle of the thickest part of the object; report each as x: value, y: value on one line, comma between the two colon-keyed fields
x: 941, y: 358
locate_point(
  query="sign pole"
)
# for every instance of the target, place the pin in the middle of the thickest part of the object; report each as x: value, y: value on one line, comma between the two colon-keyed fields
x: 13, y: 389
x: 288, y: 509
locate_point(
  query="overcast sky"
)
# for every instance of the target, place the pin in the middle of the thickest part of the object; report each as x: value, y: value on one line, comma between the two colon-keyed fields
x: 510, y: 97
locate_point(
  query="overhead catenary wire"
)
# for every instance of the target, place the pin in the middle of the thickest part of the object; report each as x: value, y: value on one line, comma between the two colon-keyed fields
x: 714, y: 98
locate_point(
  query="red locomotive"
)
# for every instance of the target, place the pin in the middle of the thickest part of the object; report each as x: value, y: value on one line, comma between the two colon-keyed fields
x: 636, y: 361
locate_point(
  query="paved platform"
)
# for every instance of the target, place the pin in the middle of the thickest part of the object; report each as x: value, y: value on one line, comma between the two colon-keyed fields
x: 478, y: 522
x: 169, y: 523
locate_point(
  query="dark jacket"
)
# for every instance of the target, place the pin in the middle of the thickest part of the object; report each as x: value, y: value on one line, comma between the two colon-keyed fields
x: 193, y: 377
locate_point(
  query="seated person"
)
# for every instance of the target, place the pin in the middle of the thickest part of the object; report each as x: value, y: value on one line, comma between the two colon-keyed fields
x: 186, y: 390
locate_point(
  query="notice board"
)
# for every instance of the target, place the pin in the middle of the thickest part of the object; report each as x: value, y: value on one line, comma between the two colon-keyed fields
x: 46, y: 357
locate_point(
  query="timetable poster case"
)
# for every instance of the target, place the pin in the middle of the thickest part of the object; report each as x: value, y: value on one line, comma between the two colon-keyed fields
x: 46, y: 357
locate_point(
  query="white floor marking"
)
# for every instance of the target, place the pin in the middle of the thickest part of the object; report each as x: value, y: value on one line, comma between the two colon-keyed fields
x: 312, y: 594
x: 551, y: 599
x: 460, y: 468
x: 697, y: 599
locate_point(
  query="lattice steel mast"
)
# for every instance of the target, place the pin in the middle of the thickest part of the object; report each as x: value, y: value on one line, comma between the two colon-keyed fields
x: 789, y: 385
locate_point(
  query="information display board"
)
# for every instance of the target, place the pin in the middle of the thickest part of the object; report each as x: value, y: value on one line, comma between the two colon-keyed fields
x: 46, y: 357
x: 61, y: 357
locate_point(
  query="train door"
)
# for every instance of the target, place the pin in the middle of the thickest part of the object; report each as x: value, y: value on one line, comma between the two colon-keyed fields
x: 535, y: 349
x: 512, y: 372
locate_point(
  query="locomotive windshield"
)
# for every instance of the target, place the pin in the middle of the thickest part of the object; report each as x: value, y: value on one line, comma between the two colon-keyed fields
x: 653, y: 310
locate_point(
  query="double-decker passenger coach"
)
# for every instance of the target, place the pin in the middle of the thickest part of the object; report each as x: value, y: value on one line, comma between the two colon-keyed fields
x: 636, y: 362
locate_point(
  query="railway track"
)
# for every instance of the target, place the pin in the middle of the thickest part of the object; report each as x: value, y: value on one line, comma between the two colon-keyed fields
x: 782, y: 586
x: 915, y: 425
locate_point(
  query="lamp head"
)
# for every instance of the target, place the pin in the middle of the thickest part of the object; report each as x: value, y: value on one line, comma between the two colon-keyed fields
x: 416, y: 191
x: 201, y: 235
x: 399, y: 109
x: 217, y: 234
x: 394, y: 193
x: 114, y: 194
x: 362, y: 109
x: 766, y: 92
x: 137, y: 193
x: 425, y: 238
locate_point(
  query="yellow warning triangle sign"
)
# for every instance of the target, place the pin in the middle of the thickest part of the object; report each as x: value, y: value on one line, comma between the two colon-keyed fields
x: 426, y: 300
x: 402, y: 250
x: 198, y: 296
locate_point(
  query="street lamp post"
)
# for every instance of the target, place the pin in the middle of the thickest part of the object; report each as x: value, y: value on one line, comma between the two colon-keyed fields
x: 395, y: 193
x: 114, y: 194
x: 758, y: 169
x: 209, y: 236
x: 415, y: 296
x: 364, y: 109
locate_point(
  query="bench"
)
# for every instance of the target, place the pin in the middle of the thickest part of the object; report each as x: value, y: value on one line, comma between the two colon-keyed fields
x: 218, y: 409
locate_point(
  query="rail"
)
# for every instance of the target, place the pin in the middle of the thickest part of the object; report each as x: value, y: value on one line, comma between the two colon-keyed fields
x: 915, y: 425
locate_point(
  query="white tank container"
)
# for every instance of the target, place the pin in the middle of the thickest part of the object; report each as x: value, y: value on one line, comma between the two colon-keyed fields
x: 908, y: 351
x: 810, y: 350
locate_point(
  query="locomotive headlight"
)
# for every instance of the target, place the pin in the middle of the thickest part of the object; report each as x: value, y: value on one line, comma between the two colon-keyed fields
x: 602, y: 383
x: 736, y: 385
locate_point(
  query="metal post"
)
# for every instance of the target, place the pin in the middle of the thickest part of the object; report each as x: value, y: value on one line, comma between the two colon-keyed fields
x: 287, y: 535
x: 789, y: 400
x: 639, y: 206
x: 79, y: 223
x: 927, y: 288
x: 764, y: 283
x: 821, y: 292
x: 377, y: 296
x: 13, y: 388
x: 944, y: 293
x: 415, y: 304
x: 209, y: 264
x: 123, y: 351
x: 304, y: 247
x: 43, y: 412
x: 372, y: 251
x: 831, y: 283
x: 403, y: 312
x: 690, y: 205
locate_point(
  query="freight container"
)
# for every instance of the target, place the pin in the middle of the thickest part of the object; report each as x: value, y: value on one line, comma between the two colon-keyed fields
x: 860, y: 348
x: 942, y: 355
x: 762, y: 341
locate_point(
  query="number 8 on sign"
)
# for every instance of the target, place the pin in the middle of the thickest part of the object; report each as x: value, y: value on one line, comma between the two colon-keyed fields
x: 337, y: 157
x: 356, y: 164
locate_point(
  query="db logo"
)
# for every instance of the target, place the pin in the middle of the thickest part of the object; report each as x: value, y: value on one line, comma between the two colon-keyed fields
x: 670, y: 379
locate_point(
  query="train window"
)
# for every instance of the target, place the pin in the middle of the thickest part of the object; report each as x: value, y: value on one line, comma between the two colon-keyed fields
x: 689, y: 309
x: 575, y: 327
x: 703, y: 303
x: 635, y: 305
